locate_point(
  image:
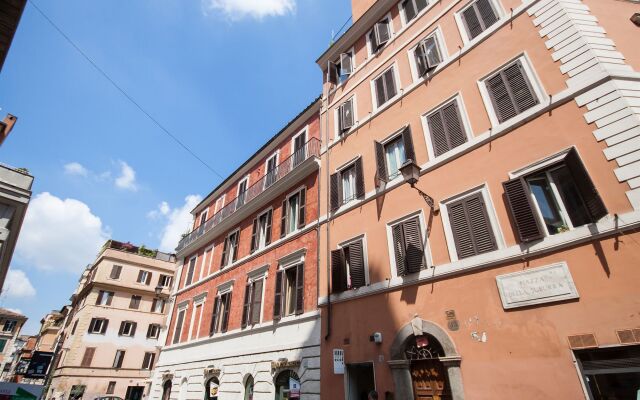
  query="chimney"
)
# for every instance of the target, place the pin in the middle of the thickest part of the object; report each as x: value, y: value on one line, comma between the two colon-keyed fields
x: 359, y: 7
x: 6, y: 125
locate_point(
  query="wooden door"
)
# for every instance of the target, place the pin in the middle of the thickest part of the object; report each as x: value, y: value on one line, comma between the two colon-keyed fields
x: 429, y: 380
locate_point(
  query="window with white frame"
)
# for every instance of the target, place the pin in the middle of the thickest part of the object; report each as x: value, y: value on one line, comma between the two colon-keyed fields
x: 242, y: 191
x: 164, y: 281
x: 104, y: 298
x: 252, y: 306
x: 289, y: 291
x: 118, y: 359
x: 348, y: 266
x: 177, y: 331
x: 293, y: 216
x: 379, y: 35
x: 261, y: 233
x: 384, y: 87
x: 221, y: 308
x: 408, y: 246
x: 115, y: 272
x: 341, y: 69
x: 196, y: 318
x: 144, y: 277
x: 230, y: 249
x: 9, y: 325
x: 98, y: 325
x: 392, y: 153
x: 153, y: 331
x: 271, y: 170
x: 553, y: 198
x: 345, y: 116
x: 148, y: 360
x: 478, y: 16
x: 510, y: 91
x: 299, y: 147
x: 203, y: 217
x: 219, y: 203
x: 158, y: 305
x: 127, y: 328
x: 134, y: 304
x: 191, y: 268
x: 411, y: 8
x: 427, y: 54
x: 207, y: 259
x: 446, y: 128
x: 347, y: 184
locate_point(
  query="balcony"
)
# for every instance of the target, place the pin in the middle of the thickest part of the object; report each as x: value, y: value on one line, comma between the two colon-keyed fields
x: 139, y: 250
x: 298, y: 165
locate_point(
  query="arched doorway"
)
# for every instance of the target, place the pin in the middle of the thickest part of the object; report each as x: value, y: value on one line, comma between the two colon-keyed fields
x: 166, y: 390
x: 248, y: 388
x: 428, y: 373
x: 211, y: 389
x: 286, y: 381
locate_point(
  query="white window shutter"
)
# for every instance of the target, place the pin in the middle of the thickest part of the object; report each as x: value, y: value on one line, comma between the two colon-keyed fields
x: 346, y: 65
x: 382, y: 32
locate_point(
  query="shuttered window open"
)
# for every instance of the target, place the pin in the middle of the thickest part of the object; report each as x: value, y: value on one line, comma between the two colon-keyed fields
x: 479, y: 16
x: 346, y: 64
x: 408, y: 247
x: 379, y: 35
x: 385, y: 87
x: 427, y: 55
x: 347, y: 267
x: 345, y: 116
x: 470, y: 226
x: 299, y: 289
x: 347, y: 184
x: 226, y: 302
x: 446, y: 129
x: 521, y: 208
x: 511, y: 92
x: 277, y: 301
x: 256, y: 301
x: 246, y: 305
x: 215, y: 315
x: 338, y: 272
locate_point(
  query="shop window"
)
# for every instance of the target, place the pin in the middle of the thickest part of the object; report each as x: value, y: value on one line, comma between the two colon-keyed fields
x: 610, y: 373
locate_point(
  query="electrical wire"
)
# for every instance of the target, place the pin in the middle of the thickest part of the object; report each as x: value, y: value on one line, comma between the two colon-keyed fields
x: 122, y: 91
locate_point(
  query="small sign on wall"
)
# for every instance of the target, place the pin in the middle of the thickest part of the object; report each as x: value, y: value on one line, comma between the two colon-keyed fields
x: 338, y: 361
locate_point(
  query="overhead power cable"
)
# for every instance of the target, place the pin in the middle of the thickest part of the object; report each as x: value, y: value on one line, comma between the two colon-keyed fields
x: 122, y: 91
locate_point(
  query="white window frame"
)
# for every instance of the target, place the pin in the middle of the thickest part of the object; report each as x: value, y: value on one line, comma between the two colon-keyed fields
x: 12, y: 323
x: 229, y: 255
x: 219, y: 203
x: 365, y: 251
x: 161, y: 302
x: 534, y: 80
x: 99, y: 332
x: 204, y: 213
x: 244, y: 179
x: 151, y: 360
x: 464, y: 116
x: 396, y: 78
x: 426, y: 248
x: 198, y: 301
x: 303, y: 131
x: 336, y: 118
x: 491, y: 213
x: 437, y: 34
x: 353, y: 66
x: 158, y: 327
x: 184, y: 307
x: 497, y: 7
x: 259, y: 245
x: 370, y: 51
x: 403, y: 16
x: 349, y: 164
x: 275, y: 155
x: 195, y: 265
x: 290, y: 195
x: 395, y: 135
x: 144, y: 281
x: 209, y: 250
x: 130, y: 328
x: 252, y: 277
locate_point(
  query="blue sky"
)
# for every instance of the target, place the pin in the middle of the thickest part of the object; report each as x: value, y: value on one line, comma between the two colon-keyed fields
x: 222, y: 75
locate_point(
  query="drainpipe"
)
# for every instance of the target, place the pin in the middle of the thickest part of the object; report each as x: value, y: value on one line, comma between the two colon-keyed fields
x: 328, y: 177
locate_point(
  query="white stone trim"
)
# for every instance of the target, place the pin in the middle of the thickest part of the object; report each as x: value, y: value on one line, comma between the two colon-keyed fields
x: 464, y: 116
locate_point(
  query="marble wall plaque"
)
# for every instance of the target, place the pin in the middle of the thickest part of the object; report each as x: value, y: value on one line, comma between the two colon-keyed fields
x: 536, y: 286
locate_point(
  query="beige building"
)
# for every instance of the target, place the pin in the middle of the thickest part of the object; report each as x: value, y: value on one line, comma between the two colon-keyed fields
x: 10, y: 325
x: 109, y: 343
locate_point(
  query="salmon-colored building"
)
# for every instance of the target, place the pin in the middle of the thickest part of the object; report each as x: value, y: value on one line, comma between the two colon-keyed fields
x: 481, y: 236
x: 244, y: 322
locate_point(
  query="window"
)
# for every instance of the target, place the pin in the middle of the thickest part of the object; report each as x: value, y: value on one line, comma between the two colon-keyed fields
x: 261, y: 234
x: 242, y: 191
x: 446, y: 129
x: 3, y: 343
x: 345, y: 116
x: 135, y: 302
x: 144, y: 277
x: 111, y: 387
x: 115, y: 272
x: 220, y: 317
x: 289, y: 291
x: 299, y: 149
x: 73, y: 329
x: 158, y: 305
x: 98, y: 325
x: 203, y: 217
x: 285, y: 381
x: 211, y: 389
x: 341, y: 69
x: 411, y: 8
x: 347, y: 184
x: 219, y: 203
x: 9, y: 325
x: 248, y: 388
x: 127, y: 328
x: 190, y: 271
x: 427, y: 55
x: 553, y: 199
x: 252, y: 307
x: 177, y: 333
x: 196, y: 319
x: 348, y: 267
x: 230, y: 249
x: 207, y: 260
x: 293, y: 215
x: 119, y: 358
x: 408, y: 246
x: 88, y: 356
x: 153, y: 331
x: 379, y: 35
x: 391, y: 154
x: 148, y: 360
x: 164, y: 281
x: 610, y: 373
x: 470, y: 226
x: 271, y: 170
x: 384, y: 87
x: 104, y: 298
x: 477, y: 17
x: 360, y: 378
x: 510, y: 91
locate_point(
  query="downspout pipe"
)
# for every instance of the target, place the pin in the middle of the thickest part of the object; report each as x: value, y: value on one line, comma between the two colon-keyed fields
x: 328, y: 221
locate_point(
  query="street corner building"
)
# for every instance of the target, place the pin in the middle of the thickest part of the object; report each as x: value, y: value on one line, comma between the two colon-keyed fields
x: 108, y: 342
x: 245, y: 322
x: 482, y: 223
x: 11, y: 323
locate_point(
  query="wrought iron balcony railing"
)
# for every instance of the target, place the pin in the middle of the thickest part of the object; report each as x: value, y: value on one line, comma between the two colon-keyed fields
x: 310, y: 149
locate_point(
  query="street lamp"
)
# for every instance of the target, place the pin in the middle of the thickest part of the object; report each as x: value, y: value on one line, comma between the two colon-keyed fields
x: 411, y: 174
x: 158, y: 291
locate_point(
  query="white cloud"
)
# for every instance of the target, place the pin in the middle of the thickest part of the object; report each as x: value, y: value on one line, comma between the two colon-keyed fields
x: 179, y: 221
x: 258, y: 9
x: 75, y: 168
x: 163, y: 209
x: 17, y: 285
x: 60, y: 235
x: 127, y: 178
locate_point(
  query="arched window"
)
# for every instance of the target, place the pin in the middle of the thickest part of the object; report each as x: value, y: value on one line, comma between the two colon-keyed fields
x: 211, y: 389
x: 286, y: 381
x: 166, y: 390
x: 248, y: 388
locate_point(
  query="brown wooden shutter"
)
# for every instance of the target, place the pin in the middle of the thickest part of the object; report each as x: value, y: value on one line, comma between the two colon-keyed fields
x: 267, y: 228
x: 139, y: 276
x: 421, y: 59
x: 302, y: 216
x: 338, y: 272
x: 100, y: 296
x: 225, y: 252
x: 109, y: 297
x: 214, y: 316
x: 105, y: 324
x: 277, y: 302
x: 300, y: 289
x: 380, y: 92
x: 483, y: 237
x: 335, y: 191
x: 409, y: 153
x: 245, y: 305
x: 520, y: 88
x: 134, y: 326
x: 283, y: 219
x: 456, y: 135
x: 390, y: 84
x: 471, y: 22
x: 414, y: 259
x: 115, y: 272
x: 360, y: 193
x: 438, y: 133
x: 399, y: 249
x: 254, y: 241
x: 153, y: 305
x: 381, y: 162
x: 121, y: 330
x: 502, y: 103
x: 88, y: 356
x: 256, y: 301
x: 433, y: 56
x: 235, y: 243
x: 332, y: 73
x: 225, y: 315
x: 585, y: 186
x: 461, y: 229
x: 149, y: 330
x: 487, y: 14
x: 356, y: 264
x: 148, y: 278
x: 524, y: 217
